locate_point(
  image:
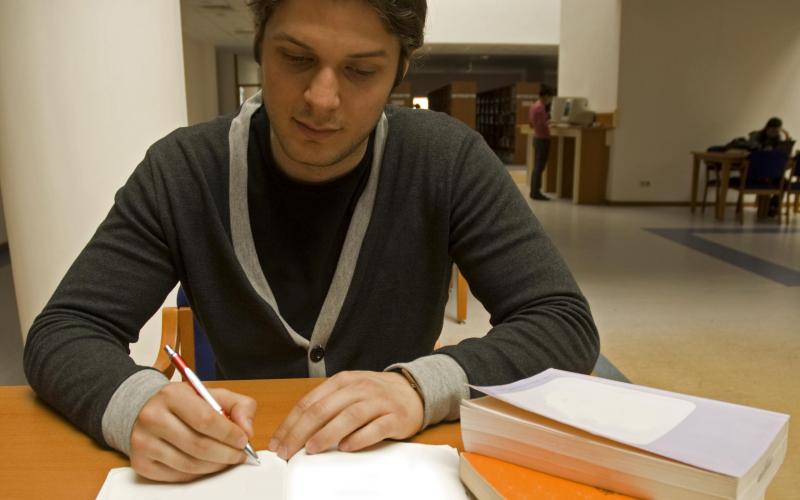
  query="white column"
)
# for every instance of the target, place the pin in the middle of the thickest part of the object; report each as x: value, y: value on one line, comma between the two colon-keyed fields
x: 85, y: 87
x: 588, y: 54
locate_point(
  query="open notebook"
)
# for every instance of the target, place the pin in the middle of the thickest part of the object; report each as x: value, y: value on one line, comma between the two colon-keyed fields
x: 386, y: 471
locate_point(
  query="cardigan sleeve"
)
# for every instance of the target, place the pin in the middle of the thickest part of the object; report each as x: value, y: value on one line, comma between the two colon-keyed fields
x: 77, y: 354
x: 539, y: 317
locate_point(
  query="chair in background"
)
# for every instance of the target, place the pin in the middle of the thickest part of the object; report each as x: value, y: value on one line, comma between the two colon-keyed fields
x: 792, y: 188
x: 712, y: 177
x: 763, y: 174
x: 712, y: 180
x: 181, y: 330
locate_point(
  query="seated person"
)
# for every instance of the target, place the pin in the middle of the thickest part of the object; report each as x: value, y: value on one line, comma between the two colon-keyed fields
x: 314, y: 232
x: 773, y: 136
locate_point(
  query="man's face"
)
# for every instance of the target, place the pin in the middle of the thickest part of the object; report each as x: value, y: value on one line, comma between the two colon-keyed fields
x: 773, y: 132
x: 328, y: 69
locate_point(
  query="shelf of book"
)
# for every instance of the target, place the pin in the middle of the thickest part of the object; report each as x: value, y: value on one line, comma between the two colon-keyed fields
x: 457, y: 99
x: 499, y: 112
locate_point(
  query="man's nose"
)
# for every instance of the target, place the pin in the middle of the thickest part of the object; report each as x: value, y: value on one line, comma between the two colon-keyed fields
x: 322, y: 93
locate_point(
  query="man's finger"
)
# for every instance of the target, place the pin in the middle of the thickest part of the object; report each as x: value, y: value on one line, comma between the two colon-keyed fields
x: 374, y: 432
x: 241, y: 409
x: 316, y: 417
x: 174, y: 458
x: 323, y: 390
x: 157, y: 471
x: 198, y: 415
x: 174, y: 431
x: 346, y: 422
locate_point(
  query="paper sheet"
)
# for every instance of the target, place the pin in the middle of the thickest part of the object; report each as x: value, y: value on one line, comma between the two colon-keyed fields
x: 387, y: 471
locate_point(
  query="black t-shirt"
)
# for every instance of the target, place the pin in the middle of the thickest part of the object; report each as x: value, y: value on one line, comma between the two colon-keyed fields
x: 298, y: 228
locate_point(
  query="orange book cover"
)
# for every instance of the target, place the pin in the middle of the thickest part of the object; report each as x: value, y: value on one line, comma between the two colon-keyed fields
x: 513, y: 482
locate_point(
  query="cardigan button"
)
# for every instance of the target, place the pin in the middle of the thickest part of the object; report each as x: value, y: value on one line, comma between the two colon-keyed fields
x: 316, y: 354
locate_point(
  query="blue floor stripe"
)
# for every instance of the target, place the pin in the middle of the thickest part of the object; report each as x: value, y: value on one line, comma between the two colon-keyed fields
x: 4, y: 257
x: 687, y: 237
x: 604, y: 368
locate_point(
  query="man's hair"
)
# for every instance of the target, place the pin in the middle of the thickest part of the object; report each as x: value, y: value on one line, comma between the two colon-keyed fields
x: 774, y: 122
x: 403, y: 18
x: 546, y: 92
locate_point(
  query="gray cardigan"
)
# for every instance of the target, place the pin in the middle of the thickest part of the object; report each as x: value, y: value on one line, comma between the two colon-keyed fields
x: 437, y: 195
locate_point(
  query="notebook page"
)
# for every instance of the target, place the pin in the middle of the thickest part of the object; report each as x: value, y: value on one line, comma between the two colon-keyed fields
x: 386, y: 471
x: 267, y: 480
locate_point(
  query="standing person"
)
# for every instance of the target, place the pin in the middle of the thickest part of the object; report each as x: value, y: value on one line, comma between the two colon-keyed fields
x: 539, y: 119
x: 314, y: 232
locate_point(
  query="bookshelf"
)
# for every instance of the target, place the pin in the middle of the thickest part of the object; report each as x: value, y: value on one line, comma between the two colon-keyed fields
x: 457, y: 99
x: 499, y: 112
x: 402, y: 96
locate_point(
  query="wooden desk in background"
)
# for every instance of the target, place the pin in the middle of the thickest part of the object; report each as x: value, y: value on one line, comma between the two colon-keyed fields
x: 44, y: 456
x: 577, y: 166
x: 727, y: 161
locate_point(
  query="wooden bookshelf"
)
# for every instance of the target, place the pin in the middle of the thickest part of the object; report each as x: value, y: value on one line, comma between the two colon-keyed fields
x: 499, y: 114
x: 402, y: 96
x: 457, y: 100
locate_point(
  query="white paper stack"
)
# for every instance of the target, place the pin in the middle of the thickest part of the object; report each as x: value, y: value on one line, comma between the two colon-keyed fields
x: 626, y: 438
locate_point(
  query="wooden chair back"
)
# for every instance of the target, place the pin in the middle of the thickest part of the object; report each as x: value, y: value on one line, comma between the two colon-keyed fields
x: 177, y: 330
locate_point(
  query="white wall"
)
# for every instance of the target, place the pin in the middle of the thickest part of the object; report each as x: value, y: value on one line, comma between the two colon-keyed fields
x: 200, y: 68
x: 3, y: 236
x: 86, y: 86
x: 486, y: 21
x: 588, y: 55
x: 693, y: 74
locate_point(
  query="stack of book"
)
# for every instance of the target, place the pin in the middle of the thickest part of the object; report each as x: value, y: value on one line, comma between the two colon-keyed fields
x: 629, y: 439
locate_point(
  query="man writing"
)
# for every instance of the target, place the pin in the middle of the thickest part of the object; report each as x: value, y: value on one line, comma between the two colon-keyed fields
x: 314, y: 233
x: 539, y: 120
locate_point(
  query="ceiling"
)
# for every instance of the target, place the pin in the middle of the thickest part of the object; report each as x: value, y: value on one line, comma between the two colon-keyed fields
x: 222, y: 23
x: 228, y: 24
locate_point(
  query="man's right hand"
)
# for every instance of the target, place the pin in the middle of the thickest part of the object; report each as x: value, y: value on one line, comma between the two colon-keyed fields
x: 178, y: 437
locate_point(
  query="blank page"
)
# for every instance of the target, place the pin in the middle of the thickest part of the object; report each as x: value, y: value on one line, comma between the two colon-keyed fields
x: 386, y: 471
x: 242, y: 481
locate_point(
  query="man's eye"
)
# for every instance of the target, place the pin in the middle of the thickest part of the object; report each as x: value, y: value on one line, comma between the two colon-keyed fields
x: 297, y: 59
x: 360, y: 72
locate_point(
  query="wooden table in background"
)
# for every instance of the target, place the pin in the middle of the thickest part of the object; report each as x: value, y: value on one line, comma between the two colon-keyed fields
x: 727, y: 161
x: 44, y: 456
x: 577, y: 164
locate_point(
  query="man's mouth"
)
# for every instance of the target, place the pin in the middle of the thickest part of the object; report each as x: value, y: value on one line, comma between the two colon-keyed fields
x: 314, y: 132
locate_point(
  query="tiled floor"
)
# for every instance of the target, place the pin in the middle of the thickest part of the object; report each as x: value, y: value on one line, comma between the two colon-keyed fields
x: 670, y: 315
x: 680, y: 319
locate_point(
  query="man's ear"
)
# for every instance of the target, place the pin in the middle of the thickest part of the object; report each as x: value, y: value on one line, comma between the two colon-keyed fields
x: 406, y: 65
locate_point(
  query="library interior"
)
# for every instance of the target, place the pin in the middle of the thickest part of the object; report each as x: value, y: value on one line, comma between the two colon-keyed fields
x: 583, y: 214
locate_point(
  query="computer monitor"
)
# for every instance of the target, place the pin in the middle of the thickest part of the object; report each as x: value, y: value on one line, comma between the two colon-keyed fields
x: 571, y: 111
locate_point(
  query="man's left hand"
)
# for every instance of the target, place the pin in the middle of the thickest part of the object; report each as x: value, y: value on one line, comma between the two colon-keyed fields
x: 351, y: 411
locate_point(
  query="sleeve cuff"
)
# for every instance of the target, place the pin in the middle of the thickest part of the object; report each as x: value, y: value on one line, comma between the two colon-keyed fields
x: 443, y: 384
x: 126, y: 403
